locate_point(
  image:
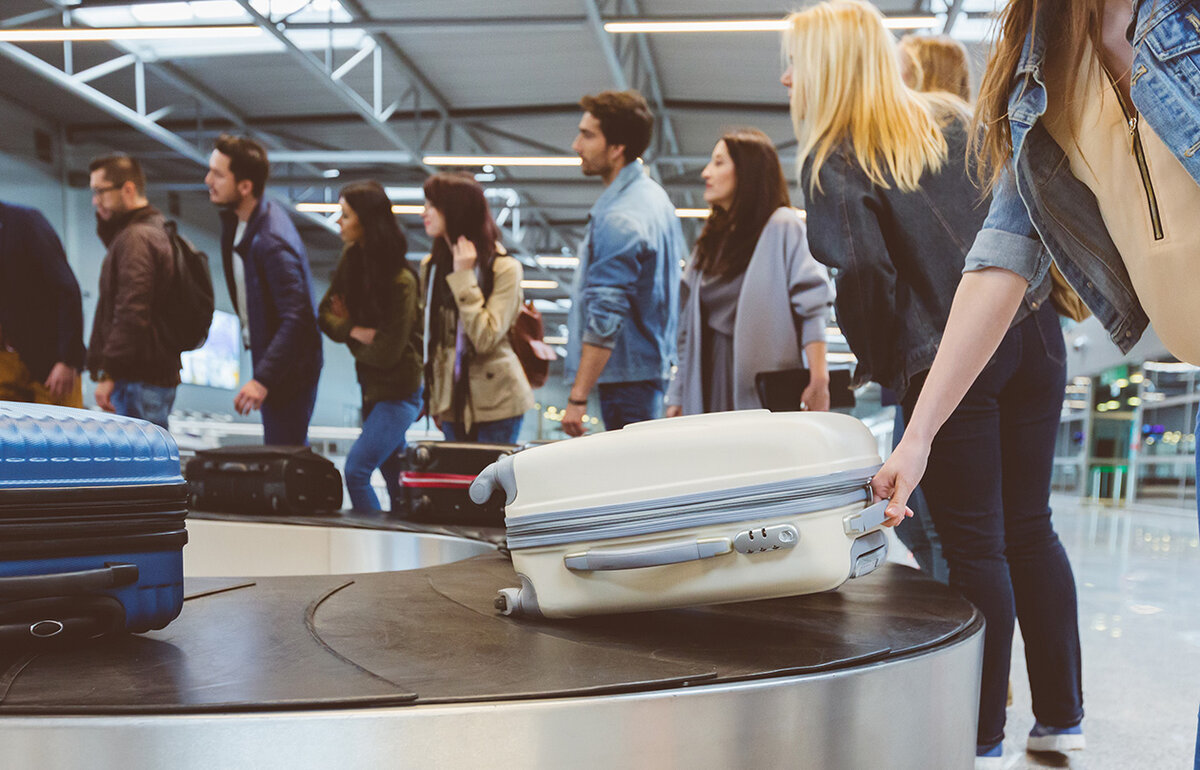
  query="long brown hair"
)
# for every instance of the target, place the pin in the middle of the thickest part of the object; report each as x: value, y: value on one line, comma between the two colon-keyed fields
x: 1074, y: 23
x: 729, y: 237
x: 465, y: 210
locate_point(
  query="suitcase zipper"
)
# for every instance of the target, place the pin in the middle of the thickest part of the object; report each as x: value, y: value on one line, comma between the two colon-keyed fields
x: 694, y: 510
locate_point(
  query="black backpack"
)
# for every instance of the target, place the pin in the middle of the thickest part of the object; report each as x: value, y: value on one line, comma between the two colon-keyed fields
x: 189, y: 301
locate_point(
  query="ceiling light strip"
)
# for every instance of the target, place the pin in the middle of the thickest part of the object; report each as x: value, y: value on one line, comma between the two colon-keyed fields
x: 501, y: 160
x: 744, y: 25
x: 334, y: 208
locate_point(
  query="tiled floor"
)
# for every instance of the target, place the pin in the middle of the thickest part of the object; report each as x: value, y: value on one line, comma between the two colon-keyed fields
x: 1138, y: 576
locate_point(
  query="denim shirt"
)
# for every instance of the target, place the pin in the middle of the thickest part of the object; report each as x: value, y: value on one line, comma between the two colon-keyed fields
x: 1040, y: 210
x: 625, y: 295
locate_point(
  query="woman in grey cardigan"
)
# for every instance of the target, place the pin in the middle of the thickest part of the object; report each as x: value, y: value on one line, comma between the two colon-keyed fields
x: 753, y: 299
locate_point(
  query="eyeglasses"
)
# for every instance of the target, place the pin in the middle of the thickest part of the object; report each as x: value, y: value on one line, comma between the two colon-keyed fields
x: 98, y: 191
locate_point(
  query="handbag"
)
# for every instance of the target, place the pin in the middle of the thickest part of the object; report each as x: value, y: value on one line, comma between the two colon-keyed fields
x: 1066, y: 300
x: 526, y: 336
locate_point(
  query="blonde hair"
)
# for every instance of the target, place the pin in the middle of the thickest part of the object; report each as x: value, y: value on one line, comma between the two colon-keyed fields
x: 938, y: 63
x: 847, y: 89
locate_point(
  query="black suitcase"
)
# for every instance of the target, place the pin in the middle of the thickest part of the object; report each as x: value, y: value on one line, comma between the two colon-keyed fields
x: 438, y: 477
x: 263, y: 479
x: 92, y: 511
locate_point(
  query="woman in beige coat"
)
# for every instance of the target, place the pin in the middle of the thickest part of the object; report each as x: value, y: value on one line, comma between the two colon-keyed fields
x: 475, y: 385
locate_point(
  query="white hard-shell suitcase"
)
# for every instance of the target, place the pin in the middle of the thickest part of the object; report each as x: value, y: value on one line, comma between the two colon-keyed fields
x: 686, y: 511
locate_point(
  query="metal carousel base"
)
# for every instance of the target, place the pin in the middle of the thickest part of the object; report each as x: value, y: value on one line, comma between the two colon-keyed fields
x: 415, y: 669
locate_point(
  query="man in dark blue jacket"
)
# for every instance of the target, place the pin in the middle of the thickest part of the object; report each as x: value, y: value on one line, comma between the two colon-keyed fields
x: 266, y: 270
x: 41, y: 315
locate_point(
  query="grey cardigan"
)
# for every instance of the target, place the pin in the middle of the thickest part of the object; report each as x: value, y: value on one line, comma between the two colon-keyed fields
x: 785, y: 290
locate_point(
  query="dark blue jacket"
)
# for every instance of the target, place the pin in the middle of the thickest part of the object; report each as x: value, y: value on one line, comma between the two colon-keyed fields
x: 40, y: 309
x: 285, y: 344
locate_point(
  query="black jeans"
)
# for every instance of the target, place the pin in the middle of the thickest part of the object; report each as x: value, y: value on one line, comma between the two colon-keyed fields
x: 988, y: 489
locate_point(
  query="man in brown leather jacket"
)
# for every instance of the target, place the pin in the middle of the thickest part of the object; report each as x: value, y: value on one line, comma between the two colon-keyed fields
x: 136, y: 370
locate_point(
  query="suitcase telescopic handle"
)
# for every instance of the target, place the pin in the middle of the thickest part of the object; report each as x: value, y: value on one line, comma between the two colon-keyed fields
x: 68, y: 583
x: 657, y: 555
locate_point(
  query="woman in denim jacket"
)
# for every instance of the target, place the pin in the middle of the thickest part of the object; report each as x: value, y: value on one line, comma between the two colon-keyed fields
x: 1093, y: 147
x: 892, y: 207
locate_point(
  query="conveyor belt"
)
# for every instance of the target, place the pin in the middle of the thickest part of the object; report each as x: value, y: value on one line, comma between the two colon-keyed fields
x: 432, y: 636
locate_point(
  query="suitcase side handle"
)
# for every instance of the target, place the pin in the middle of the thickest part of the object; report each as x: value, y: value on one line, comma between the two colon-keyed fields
x: 68, y: 583
x: 656, y: 555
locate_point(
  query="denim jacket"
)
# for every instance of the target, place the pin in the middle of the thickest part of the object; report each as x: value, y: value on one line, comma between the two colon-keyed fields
x: 1041, y: 211
x: 626, y: 290
x: 898, y: 255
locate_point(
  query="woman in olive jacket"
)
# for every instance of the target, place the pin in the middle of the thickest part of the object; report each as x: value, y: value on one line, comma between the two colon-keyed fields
x: 373, y: 307
x: 477, y: 390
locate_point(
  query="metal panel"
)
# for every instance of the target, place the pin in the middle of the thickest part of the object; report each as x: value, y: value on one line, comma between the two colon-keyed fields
x: 917, y: 712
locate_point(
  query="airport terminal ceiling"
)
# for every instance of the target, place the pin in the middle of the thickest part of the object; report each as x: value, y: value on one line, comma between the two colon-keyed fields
x: 342, y: 90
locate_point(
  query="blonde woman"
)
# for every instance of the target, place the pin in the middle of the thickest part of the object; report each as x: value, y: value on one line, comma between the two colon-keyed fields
x: 935, y: 63
x: 890, y: 205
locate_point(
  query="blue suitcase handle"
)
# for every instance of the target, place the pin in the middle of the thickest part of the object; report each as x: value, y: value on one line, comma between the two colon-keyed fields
x: 59, y: 620
x: 68, y: 583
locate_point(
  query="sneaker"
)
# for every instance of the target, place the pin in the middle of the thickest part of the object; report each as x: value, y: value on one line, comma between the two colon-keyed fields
x: 989, y: 757
x: 1060, y: 739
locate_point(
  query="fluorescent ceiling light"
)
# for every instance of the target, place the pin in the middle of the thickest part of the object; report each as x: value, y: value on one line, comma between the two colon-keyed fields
x: 557, y: 261
x: 80, y: 34
x: 746, y: 25
x: 501, y: 160
x: 333, y: 208
x: 703, y: 213
x: 538, y: 284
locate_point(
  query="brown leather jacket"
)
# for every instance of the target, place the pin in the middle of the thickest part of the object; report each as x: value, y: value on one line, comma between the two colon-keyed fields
x: 126, y: 342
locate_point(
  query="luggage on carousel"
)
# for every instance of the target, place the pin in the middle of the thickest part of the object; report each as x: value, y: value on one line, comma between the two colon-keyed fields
x: 438, y: 478
x: 691, y: 510
x: 92, y: 510
x: 263, y: 479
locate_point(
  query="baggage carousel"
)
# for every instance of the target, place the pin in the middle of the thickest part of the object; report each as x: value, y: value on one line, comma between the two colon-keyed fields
x: 361, y: 642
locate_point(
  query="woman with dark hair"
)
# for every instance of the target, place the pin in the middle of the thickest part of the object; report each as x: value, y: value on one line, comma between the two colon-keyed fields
x: 753, y: 299
x: 373, y: 306
x: 477, y: 390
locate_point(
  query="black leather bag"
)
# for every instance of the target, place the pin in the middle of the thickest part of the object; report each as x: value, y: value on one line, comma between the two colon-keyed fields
x: 780, y: 391
x: 263, y: 479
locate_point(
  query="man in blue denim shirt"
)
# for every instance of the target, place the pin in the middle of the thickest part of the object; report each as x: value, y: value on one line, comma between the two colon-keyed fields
x: 625, y: 305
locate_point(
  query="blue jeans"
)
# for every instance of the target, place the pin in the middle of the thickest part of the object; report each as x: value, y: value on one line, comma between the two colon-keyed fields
x: 285, y: 423
x: 379, y: 446
x: 623, y: 403
x: 988, y: 489
x: 147, y: 402
x: 504, y: 431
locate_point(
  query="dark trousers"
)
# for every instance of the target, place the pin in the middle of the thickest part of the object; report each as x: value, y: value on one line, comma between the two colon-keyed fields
x: 623, y: 403
x: 285, y: 422
x: 988, y: 489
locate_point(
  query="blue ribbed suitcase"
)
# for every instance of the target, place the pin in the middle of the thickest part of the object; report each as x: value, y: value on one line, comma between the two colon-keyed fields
x: 92, y: 510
